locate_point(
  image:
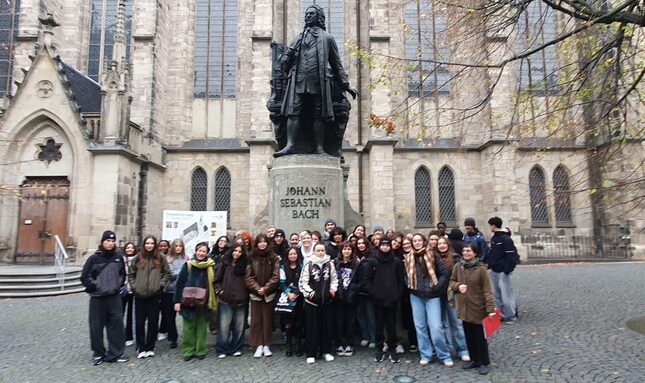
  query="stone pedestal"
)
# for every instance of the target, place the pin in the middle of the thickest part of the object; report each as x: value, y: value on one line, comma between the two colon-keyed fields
x: 305, y: 190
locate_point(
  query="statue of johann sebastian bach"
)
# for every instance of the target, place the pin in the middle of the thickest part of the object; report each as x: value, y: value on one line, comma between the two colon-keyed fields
x: 313, y: 101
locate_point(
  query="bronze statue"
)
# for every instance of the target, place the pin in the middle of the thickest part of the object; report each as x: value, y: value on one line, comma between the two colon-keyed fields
x: 307, y: 104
